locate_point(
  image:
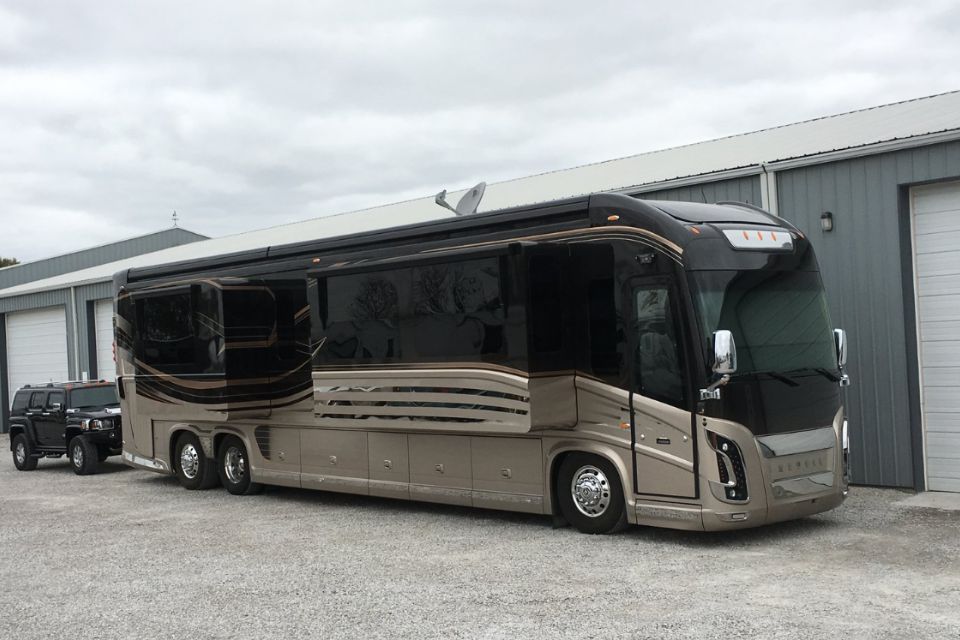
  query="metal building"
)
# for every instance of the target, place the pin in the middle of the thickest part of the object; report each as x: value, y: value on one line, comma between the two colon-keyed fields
x: 876, y: 190
x: 64, y: 333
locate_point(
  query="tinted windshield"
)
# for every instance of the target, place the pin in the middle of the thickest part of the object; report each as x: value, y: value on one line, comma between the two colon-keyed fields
x: 94, y: 397
x: 779, y: 319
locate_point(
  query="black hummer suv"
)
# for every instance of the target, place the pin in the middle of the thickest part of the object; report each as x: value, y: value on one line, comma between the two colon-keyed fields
x: 80, y: 419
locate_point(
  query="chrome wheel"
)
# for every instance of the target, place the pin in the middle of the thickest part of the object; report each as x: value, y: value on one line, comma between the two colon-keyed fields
x: 21, y: 453
x: 189, y: 461
x: 235, y: 465
x: 591, y: 491
x: 77, y: 455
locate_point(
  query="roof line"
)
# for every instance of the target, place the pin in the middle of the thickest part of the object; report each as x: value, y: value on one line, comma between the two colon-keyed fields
x: 108, y: 244
x: 729, y: 137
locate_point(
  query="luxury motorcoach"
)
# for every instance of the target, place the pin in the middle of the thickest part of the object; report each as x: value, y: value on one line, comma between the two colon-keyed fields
x: 605, y: 360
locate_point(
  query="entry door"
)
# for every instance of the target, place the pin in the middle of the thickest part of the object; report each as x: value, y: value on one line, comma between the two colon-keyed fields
x: 662, y: 427
x: 936, y: 249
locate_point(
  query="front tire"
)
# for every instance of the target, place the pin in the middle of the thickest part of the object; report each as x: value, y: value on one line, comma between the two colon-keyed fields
x: 233, y: 466
x: 590, y: 494
x: 83, y: 456
x: 191, y: 466
x: 23, y: 454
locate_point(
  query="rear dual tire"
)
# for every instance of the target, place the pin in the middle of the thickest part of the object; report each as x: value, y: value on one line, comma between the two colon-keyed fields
x: 233, y: 466
x: 194, y: 470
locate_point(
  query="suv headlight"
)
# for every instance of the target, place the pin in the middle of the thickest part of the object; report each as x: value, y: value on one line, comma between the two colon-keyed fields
x: 96, y: 424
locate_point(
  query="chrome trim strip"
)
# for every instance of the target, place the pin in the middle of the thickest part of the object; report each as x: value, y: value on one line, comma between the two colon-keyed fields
x: 150, y: 464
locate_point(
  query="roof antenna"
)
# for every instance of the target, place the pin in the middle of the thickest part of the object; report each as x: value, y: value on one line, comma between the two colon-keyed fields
x: 174, y: 217
x: 468, y: 203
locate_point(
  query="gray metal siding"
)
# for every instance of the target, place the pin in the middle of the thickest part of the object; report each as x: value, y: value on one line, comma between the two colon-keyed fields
x: 738, y: 189
x: 862, y: 265
x: 37, y: 270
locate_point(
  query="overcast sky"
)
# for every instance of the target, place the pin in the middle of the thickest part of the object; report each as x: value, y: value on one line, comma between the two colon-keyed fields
x: 242, y: 115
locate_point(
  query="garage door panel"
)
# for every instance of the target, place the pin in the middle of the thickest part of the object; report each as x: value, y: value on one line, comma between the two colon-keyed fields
x: 935, y: 198
x: 945, y: 241
x: 36, y: 347
x: 937, y: 222
x: 946, y: 331
x: 941, y: 399
x: 940, y: 354
x: 938, y: 308
x: 939, y: 285
x: 103, y: 320
x: 936, y: 241
x: 937, y: 264
x: 943, y: 422
x: 941, y: 377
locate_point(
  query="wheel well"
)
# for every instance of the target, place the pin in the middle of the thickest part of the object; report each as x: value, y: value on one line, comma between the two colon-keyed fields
x: 69, y: 435
x: 14, y: 431
x: 555, y: 473
x: 173, y: 442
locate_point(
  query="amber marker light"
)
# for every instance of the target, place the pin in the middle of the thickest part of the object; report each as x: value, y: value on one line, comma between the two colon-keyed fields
x: 613, y: 218
x: 694, y: 231
x: 315, y: 260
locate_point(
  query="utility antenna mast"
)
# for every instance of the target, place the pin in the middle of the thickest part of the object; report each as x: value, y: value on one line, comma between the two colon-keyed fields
x: 174, y: 216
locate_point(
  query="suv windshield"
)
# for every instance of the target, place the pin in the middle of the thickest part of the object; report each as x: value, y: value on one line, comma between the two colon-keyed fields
x: 779, y: 319
x: 94, y: 397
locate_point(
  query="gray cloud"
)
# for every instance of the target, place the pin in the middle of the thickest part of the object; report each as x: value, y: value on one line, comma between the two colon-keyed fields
x: 244, y: 115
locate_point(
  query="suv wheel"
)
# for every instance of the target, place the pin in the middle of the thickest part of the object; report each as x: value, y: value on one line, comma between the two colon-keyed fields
x: 22, y: 454
x: 233, y: 465
x: 191, y: 466
x: 83, y: 456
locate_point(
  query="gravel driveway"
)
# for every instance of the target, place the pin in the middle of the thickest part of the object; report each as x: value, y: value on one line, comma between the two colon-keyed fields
x: 129, y: 554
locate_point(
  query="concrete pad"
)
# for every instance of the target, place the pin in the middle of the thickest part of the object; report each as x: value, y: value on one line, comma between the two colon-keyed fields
x: 932, y: 500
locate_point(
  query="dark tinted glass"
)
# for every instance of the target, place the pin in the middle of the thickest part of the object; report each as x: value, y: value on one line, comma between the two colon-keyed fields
x: 779, y: 319
x: 36, y: 400
x: 94, y: 397
x: 546, y: 304
x: 55, y: 397
x: 20, y: 401
x: 362, y: 318
x: 657, y: 357
x: 457, y: 311
x: 166, y: 331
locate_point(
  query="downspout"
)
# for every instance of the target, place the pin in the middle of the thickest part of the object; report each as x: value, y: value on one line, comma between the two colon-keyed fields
x: 768, y: 190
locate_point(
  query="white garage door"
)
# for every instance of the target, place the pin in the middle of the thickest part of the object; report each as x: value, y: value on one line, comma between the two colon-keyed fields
x: 103, y: 319
x: 36, y: 347
x: 936, y: 233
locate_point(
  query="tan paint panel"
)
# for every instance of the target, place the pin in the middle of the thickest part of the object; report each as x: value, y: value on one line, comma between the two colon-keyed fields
x: 334, y: 460
x: 508, y: 465
x: 441, y: 462
x: 389, y: 463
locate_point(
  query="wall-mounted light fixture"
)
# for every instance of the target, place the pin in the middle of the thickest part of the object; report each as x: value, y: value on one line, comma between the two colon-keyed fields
x: 826, y: 222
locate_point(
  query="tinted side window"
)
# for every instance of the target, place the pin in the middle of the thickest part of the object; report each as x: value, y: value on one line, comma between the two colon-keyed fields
x: 20, y: 401
x: 361, y: 317
x: 457, y: 312
x: 36, y: 400
x: 657, y: 358
x: 166, y: 329
x: 55, y: 397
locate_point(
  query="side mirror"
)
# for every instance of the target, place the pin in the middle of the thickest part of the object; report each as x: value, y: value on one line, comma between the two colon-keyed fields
x: 724, y: 353
x: 840, y: 340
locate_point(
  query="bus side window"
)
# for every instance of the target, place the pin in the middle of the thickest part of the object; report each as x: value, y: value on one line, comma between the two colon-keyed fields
x: 657, y: 356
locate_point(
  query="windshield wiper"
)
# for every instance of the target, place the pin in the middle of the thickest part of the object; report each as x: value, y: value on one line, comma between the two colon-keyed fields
x: 780, y: 377
x: 832, y: 377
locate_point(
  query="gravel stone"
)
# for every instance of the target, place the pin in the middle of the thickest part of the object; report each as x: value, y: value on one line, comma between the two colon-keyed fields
x: 129, y: 554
